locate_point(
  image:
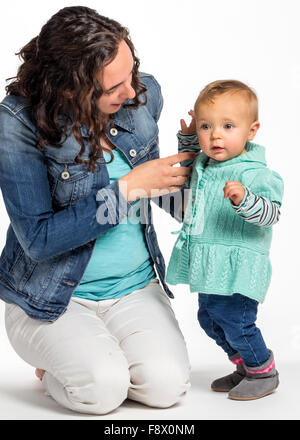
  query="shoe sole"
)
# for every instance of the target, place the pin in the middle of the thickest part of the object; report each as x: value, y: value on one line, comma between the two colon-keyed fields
x: 221, y: 390
x: 252, y: 398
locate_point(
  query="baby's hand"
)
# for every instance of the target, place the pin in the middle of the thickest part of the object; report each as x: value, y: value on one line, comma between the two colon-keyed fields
x: 191, y: 129
x: 235, y: 191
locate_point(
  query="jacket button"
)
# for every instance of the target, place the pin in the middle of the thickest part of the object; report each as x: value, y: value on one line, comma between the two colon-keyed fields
x: 65, y: 175
x: 132, y: 153
x: 149, y: 229
x: 113, y: 131
x: 157, y: 260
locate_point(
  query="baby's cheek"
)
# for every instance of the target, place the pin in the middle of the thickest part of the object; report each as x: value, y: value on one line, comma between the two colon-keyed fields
x: 238, y: 142
x: 203, y: 142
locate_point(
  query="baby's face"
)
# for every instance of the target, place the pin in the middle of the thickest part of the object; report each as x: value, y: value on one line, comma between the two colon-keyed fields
x: 224, y: 126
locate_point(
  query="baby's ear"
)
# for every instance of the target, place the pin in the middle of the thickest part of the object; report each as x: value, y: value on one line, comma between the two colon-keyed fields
x: 253, y: 130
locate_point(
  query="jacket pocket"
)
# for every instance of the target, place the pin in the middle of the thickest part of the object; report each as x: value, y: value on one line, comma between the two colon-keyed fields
x: 69, y: 182
x: 18, y: 257
x: 20, y: 270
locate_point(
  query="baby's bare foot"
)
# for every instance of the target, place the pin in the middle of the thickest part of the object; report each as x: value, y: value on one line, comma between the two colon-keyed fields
x: 39, y: 373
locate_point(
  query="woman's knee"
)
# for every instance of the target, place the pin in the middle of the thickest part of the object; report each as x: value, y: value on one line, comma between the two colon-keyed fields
x: 160, y: 384
x: 95, y: 393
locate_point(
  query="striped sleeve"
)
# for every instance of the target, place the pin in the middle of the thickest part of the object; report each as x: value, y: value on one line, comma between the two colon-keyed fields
x: 187, y: 143
x: 257, y: 209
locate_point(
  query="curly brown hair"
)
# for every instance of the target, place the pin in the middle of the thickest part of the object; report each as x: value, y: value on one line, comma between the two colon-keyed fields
x: 74, y: 45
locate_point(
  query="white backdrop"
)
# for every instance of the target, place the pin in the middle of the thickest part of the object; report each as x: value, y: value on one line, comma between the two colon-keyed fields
x: 186, y: 45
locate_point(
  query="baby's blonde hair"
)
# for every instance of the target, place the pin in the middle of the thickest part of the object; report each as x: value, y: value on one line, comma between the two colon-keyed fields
x: 221, y: 87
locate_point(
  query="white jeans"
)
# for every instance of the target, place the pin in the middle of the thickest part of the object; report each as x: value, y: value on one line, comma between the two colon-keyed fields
x: 98, y: 353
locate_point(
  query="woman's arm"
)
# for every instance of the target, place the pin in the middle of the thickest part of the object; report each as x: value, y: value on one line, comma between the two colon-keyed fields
x: 42, y: 232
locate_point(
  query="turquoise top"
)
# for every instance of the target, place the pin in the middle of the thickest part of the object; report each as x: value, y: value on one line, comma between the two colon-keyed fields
x: 217, y: 251
x: 120, y: 262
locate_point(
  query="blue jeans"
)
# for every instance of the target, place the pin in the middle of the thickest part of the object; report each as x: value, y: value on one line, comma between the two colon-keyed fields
x: 230, y: 321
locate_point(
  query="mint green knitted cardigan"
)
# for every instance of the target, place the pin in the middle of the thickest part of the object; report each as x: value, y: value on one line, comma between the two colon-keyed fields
x: 217, y: 251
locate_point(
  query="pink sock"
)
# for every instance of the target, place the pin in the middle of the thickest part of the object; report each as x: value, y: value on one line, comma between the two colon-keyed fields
x: 237, y: 361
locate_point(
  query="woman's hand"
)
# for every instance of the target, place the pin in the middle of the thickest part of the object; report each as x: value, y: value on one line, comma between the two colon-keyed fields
x: 156, y: 177
x: 235, y: 191
x: 191, y: 129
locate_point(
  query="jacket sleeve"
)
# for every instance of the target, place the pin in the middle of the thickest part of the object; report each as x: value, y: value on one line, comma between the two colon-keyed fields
x: 41, y: 232
x: 170, y: 203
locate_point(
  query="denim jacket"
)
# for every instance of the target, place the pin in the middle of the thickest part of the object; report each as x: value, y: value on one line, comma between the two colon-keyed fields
x: 56, y: 207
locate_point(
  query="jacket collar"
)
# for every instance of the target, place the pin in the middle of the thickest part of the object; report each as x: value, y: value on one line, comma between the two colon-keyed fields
x: 123, y: 119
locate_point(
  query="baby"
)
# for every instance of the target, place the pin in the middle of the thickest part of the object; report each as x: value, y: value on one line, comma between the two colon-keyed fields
x: 223, y: 247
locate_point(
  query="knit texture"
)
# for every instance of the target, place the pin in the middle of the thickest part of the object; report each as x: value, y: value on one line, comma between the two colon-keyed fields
x: 217, y: 251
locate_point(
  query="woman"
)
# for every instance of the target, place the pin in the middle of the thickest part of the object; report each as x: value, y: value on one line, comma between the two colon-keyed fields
x: 79, y: 159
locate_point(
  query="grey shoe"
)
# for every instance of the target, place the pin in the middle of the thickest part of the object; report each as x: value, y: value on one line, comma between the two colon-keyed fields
x: 258, y: 382
x: 226, y: 383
